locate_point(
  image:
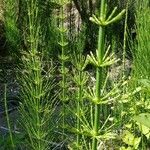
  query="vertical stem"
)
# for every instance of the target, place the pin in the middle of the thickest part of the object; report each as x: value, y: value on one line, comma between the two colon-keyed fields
x: 78, y: 109
x: 125, y: 39
x: 78, y: 124
x: 63, y: 120
x: 99, y: 79
x: 7, y: 117
x: 63, y: 69
x: 124, y: 55
x: 63, y: 73
x: 99, y: 72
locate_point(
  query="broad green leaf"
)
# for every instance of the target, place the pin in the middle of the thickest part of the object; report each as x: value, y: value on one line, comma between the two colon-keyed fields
x: 144, y: 129
x: 143, y: 118
x: 129, y: 126
x: 130, y: 139
x: 137, y: 142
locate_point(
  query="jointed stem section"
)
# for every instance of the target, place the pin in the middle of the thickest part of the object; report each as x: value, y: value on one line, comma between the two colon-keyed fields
x: 100, y: 62
x: 99, y: 80
x: 63, y: 59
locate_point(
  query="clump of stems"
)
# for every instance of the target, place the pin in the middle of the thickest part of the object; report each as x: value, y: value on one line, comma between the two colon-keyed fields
x: 141, y: 52
x: 35, y: 86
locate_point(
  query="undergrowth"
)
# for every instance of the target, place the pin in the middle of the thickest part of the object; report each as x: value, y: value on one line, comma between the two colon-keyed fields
x: 69, y: 98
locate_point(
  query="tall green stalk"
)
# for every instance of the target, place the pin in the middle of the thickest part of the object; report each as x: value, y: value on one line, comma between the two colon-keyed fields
x: 99, y: 62
x: 7, y: 118
x: 63, y: 65
x: 79, y: 101
x: 63, y: 58
x: 77, y: 80
x: 99, y: 78
x: 125, y: 38
x: 80, y: 79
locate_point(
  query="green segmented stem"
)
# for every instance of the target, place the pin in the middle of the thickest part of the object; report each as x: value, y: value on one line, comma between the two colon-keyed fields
x: 78, y: 108
x: 99, y: 72
x: 63, y: 68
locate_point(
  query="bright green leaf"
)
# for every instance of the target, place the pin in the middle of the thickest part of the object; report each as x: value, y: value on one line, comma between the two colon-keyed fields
x: 144, y: 119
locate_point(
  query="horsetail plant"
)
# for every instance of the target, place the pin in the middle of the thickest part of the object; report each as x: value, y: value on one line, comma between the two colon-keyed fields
x: 101, y: 60
x: 63, y: 57
x: 80, y: 79
x: 35, y: 87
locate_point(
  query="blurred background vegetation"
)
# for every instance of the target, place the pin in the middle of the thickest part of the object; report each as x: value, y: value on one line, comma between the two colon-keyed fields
x: 13, y: 25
